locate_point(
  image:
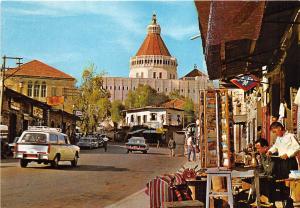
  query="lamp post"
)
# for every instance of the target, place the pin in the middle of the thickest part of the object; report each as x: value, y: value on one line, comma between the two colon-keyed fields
x: 2, y: 79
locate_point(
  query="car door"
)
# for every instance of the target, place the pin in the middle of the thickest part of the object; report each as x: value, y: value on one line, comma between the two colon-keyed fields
x: 70, y: 150
x: 62, y: 147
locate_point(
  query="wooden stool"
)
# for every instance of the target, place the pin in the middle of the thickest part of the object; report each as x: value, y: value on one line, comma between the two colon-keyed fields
x: 210, y: 192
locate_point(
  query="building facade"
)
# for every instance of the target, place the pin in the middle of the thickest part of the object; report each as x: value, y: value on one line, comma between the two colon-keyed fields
x: 154, y: 117
x: 153, y: 65
x: 38, y: 80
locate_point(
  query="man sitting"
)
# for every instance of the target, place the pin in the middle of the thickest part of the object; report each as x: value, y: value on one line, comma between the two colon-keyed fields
x: 266, y: 165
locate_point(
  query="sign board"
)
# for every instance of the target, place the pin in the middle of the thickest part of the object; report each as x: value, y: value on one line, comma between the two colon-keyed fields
x: 37, y: 112
x: 246, y: 82
x: 55, y: 100
x: 15, y: 105
x: 78, y: 113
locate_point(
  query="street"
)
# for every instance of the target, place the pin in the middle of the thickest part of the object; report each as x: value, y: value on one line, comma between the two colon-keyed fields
x: 100, y: 179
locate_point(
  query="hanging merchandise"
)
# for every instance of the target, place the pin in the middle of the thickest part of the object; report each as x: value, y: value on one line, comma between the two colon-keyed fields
x: 216, y: 143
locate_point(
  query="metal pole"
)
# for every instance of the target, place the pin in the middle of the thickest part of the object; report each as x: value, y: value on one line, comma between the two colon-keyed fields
x: 218, y: 133
x: 2, y: 88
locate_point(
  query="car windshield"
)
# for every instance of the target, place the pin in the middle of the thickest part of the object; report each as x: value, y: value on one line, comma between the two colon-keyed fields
x: 137, y: 141
x: 85, y: 140
x: 38, y: 138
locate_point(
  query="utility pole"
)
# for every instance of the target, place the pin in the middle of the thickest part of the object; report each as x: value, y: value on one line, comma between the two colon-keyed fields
x: 2, y: 80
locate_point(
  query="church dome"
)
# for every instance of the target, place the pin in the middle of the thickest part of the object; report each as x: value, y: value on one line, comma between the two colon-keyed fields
x: 153, y: 43
x: 153, y: 59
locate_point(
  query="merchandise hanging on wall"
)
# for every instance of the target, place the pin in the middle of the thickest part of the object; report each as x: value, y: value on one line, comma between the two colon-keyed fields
x: 216, y: 124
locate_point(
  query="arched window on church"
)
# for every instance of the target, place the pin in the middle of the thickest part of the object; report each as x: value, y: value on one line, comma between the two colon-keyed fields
x: 29, y: 89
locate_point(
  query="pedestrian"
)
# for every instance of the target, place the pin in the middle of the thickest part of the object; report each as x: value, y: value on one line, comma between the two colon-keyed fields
x: 190, y: 147
x: 287, y: 146
x: 172, y: 146
x: 105, y: 141
x: 158, y: 142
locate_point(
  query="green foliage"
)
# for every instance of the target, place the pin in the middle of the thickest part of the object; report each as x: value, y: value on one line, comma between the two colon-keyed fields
x: 93, y: 101
x: 175, y: 94
x: 189, y: 109
x: 143, y: 96
x: 116, y: 111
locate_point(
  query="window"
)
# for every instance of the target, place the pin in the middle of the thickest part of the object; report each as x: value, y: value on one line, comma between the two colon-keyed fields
x: 170, y: 76
x: 36, y: 91
x: 43, y: 89
x: 160, y: 75
x: 144, y: 118
x: 61, y: 139
x: 137, y: 75
x: 53, y: 91
x: 157, y: 89
x: 153, y: 116
x: 67, y: 140
x: 142, y: 75
x: 131, y: 118
x: 166, y: 89
x: 110, y: 87
x: 173, y: 76
x: 29, y: 89
x: 154, y: 75
x: 53, y: 139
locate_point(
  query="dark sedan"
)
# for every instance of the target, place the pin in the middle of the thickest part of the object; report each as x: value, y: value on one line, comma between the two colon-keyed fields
x: 137, y: 144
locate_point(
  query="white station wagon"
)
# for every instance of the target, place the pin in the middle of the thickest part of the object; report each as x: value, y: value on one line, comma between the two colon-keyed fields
x: 45, y: 145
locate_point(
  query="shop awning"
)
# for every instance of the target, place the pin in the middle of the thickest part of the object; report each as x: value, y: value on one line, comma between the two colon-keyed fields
x: 239, y: 37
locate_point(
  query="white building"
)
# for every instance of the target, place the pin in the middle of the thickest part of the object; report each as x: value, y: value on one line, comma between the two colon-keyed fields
x: 153, y: 65
x: 154, y: 117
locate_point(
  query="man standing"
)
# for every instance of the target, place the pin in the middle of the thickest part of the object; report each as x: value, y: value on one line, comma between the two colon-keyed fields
x: 190, y: 147
x: 172, y: 146
x: 287, y: 147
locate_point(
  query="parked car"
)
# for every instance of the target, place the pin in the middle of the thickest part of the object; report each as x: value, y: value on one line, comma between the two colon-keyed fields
x: 45, y: 145
x: 137, y: 144
x: 88, y: 142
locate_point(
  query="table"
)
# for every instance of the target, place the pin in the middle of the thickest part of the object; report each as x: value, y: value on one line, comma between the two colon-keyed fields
x: 249, y: 173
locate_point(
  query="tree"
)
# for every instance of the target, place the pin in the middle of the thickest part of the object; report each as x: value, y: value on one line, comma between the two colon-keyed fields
x: 175, y: 94
x: 189, y: 109
x: 116, y: 111
x: 143, y: 96
x: 92, y: 100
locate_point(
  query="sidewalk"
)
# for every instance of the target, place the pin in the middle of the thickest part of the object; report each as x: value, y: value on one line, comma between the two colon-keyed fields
x: 141, y: 199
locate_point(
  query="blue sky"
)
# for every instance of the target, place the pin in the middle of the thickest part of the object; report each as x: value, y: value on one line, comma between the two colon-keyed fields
x: 70, y: 35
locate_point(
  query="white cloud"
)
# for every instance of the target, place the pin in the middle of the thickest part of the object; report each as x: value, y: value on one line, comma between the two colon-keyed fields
x: 180, y: 32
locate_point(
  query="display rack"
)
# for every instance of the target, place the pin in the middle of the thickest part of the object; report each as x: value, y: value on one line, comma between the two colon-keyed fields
x: 216, y: 127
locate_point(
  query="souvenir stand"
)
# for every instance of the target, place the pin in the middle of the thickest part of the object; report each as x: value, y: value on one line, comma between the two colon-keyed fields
x: 217, y: 145
x: 216, y: 126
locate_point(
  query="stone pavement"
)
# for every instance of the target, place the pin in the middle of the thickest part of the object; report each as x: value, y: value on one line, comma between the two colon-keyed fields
x: 140, y: 199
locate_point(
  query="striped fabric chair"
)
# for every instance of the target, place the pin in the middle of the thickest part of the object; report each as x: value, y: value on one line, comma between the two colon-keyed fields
x: 163, y: 189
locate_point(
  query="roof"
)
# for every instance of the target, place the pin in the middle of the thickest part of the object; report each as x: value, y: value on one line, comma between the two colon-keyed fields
x: 150, y: 108
x: 195, y: 73
x: 153, y: 45
x: 175, y: 103
x: 37, y: 68
x: 244, y: 36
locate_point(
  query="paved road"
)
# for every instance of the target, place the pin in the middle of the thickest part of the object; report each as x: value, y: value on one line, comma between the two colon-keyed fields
x: 100, y: 180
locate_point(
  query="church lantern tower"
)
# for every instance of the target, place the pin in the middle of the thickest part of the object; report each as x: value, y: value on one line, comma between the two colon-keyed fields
x: 153, y: 59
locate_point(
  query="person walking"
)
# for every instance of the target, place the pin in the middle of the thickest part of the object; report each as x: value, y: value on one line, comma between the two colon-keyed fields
x: 172, y: 146
x: 190, y: 147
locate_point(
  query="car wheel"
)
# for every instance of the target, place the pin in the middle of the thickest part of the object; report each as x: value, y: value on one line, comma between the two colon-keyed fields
x: 144, y: 152
x: 23, y: 163
x: 75, y: 161
x: 54, y: 163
